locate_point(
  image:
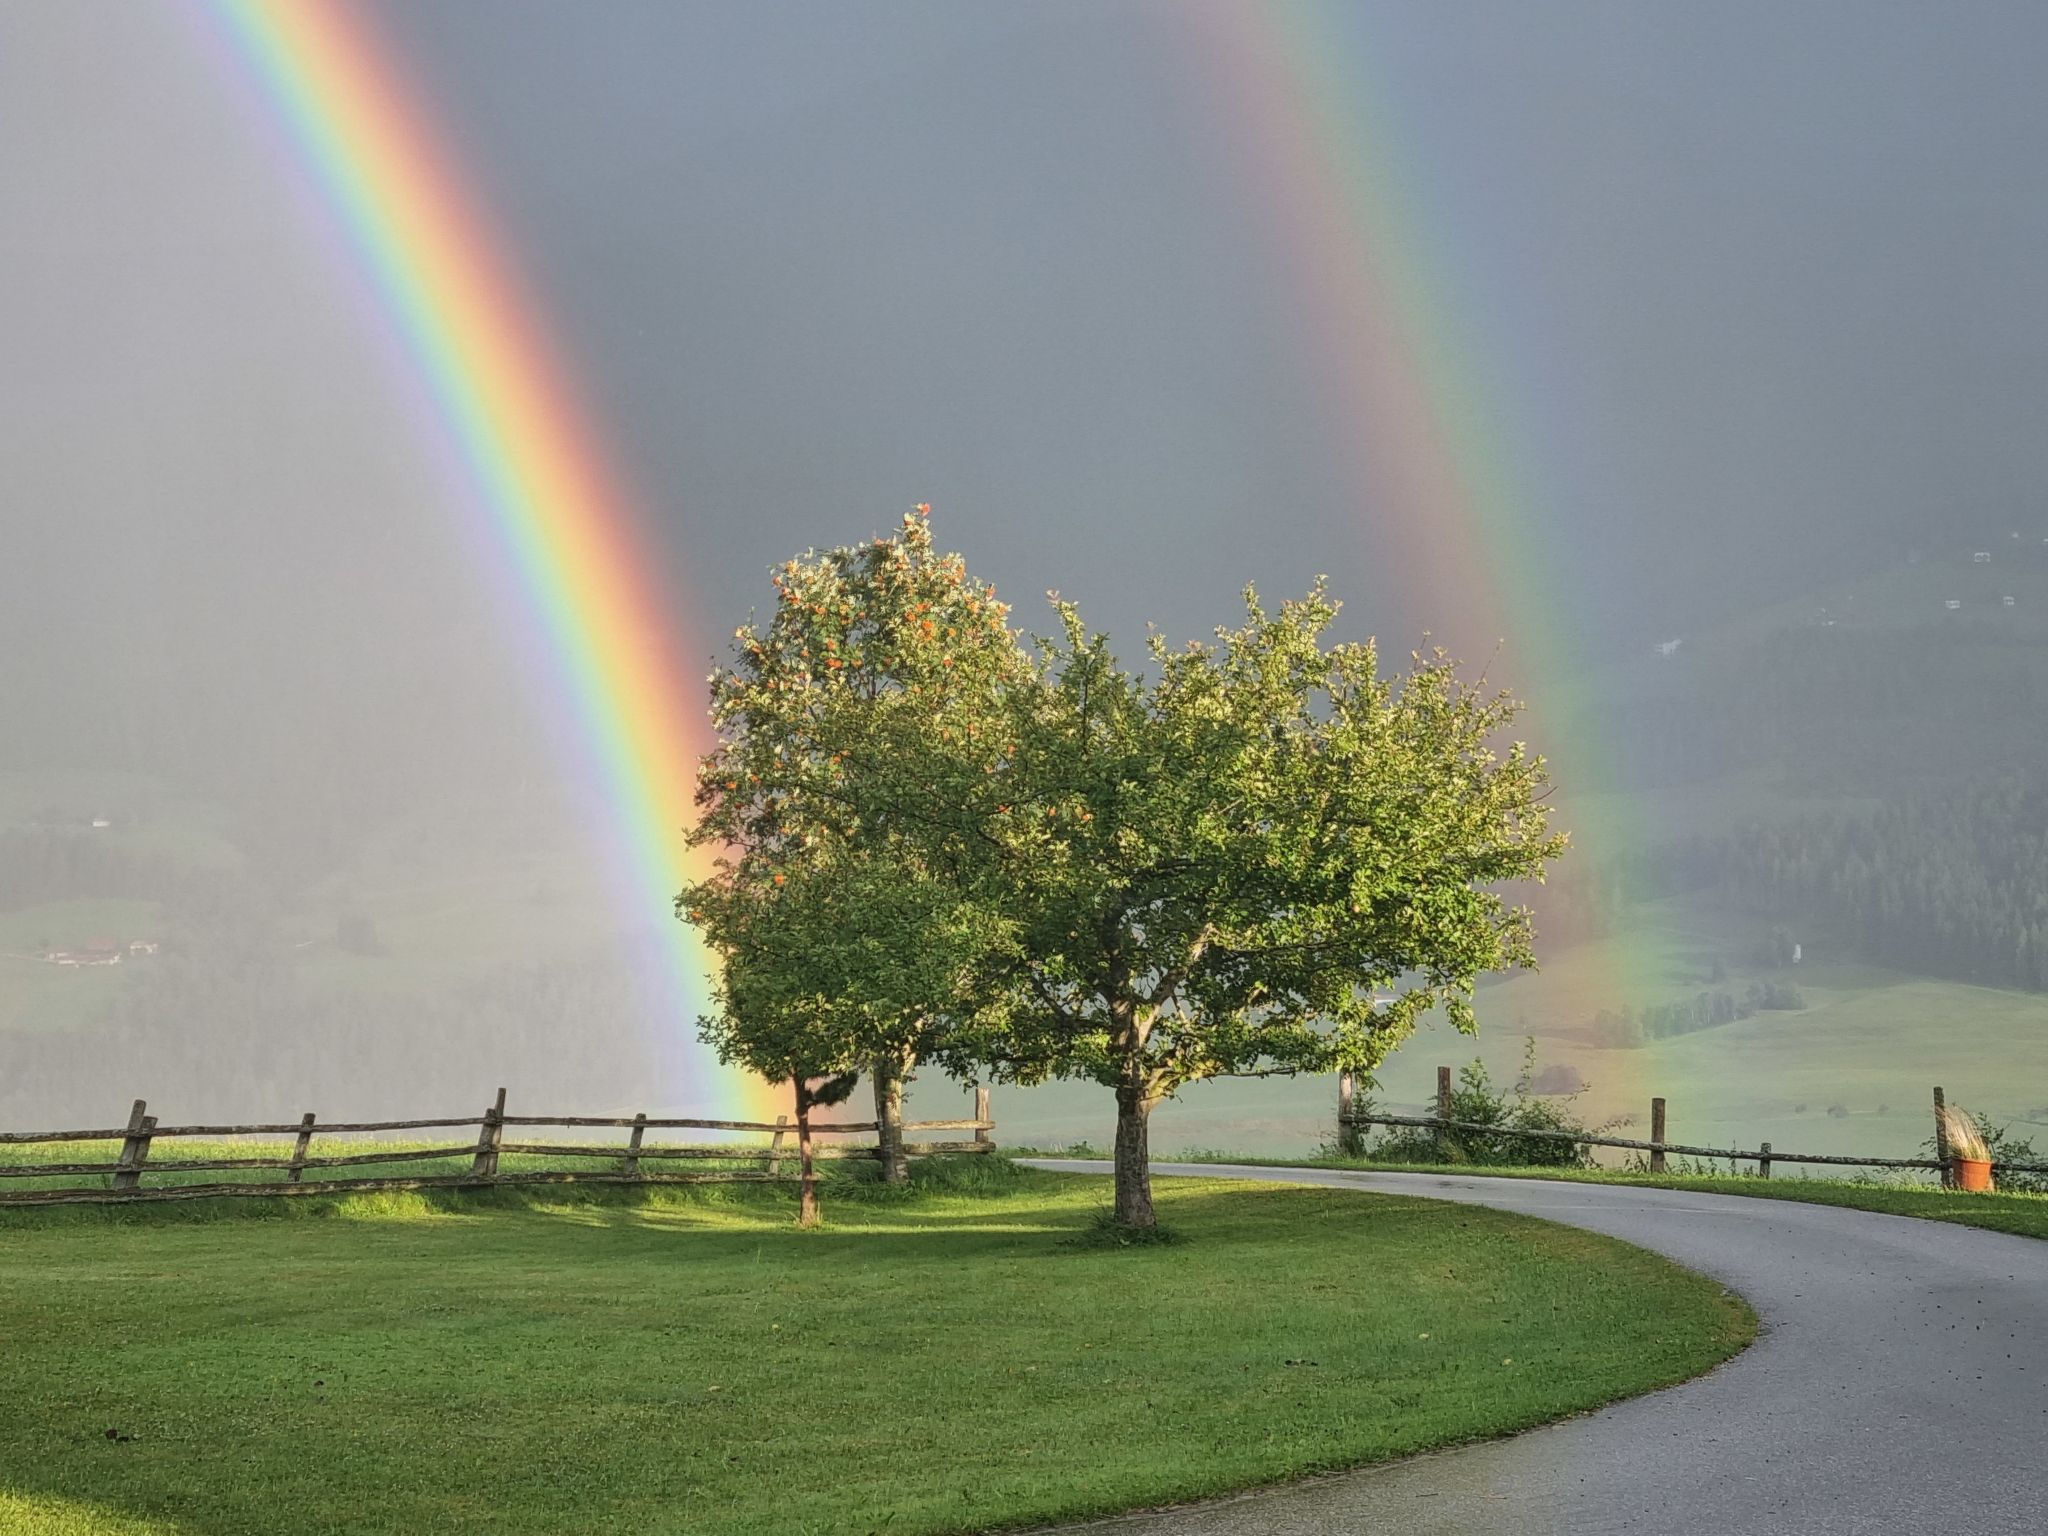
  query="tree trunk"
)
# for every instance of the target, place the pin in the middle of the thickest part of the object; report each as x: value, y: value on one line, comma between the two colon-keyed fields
x: 1134, y: 1159
x: 807, y: 1202
x: 889, y: 1075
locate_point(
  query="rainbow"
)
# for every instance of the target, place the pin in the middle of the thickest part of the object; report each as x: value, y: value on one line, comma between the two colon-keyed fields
x: 1416, y: 405
x: 501, y: 400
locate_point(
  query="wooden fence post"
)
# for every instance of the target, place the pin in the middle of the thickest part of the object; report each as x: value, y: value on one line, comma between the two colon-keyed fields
x: 1347, y: 1133
x: 485, y: 1165
x: 1763, y: 1162
x: 1443, y: 1100
x: 299, y: 1146
x: 981, y: 1113
x: 1941, y: 1143
x: 775, y: 1146
x: 633, y: 1145
x: 1657, y: 1135
x: 134, y: 1147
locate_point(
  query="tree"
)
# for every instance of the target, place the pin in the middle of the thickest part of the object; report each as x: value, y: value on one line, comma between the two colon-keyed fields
x: 1270, y: 858
x: 818, y: 961
x: 838, y: 908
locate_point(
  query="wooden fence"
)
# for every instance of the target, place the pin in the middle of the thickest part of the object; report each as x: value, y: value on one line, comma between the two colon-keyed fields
x: 777, y: 1161
x: 1350, y: 1121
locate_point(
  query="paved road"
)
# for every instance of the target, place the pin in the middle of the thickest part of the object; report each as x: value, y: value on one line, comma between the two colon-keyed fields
x: 1900, y: 1385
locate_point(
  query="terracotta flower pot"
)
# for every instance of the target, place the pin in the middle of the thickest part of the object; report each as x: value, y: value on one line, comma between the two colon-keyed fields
x: 1972, y: 1174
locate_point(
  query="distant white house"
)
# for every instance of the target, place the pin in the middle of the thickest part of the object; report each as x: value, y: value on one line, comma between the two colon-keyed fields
x: 1669, y: 647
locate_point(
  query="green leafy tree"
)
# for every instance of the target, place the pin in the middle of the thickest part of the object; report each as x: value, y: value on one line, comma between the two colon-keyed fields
x: 837, y: 911
x: 821, y: 960
x: 1269, y: 858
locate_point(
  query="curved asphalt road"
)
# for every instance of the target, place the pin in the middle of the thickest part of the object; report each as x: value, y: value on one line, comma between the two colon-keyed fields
x: 1900, y: 1384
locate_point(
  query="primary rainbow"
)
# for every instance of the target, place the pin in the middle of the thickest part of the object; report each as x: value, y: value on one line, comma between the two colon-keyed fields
x: 1417, y: 403
x: 502, y: 401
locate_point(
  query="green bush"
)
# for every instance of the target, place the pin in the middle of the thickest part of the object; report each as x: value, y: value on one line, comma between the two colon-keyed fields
x: 2007, y: 1148
x: 1475, y: 1101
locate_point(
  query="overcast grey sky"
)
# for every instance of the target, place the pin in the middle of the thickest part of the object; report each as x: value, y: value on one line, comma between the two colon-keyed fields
x: 1761, y: 284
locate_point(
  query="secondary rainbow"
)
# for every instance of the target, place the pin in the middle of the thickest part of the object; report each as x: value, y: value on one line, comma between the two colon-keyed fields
x: 1417, y: 396
x: 504, y: 404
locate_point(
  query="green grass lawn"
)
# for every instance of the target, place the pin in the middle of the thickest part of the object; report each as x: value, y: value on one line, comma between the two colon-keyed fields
x: 2024, y: 1215
x: 686, y: 1361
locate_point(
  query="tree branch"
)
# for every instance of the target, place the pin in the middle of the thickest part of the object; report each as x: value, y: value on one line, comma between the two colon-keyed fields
x: 1169, y: 983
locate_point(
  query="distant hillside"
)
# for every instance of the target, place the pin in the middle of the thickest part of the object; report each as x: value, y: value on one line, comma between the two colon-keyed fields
x: 1856, y: 689
x: 1869, y: 763
x: 152, y: 941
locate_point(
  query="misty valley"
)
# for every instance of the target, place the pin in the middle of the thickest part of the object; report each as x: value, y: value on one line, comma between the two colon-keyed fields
x: 1837, y: 810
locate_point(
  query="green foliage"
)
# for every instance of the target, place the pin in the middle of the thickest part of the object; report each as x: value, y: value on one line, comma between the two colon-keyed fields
x: 1774, y: 997
x: 1476, y: 1101
x: 843, y: 934
x: 1268, y: 857
x: 980, y: 1173
x: 1215, y: 871
x: 1705, y: 1010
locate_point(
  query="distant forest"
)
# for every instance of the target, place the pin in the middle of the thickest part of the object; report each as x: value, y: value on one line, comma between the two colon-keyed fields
x: 1896, y: 767
x: 1949, y: 884
x: 1705, y: 1010
x: 43, y: 864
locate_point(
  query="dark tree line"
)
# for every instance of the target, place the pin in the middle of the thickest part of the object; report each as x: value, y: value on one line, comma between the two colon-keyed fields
x: 40, y: 864
x: 1949, y: 884
x: 1704, y: 1010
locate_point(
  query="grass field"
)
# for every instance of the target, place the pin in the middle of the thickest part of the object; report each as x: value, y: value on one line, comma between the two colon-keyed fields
x: 2021, y: 1215
x: 667, y: 1362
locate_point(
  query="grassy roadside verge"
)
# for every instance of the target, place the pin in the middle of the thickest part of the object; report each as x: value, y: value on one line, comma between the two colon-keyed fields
x: 2023, y: 1215
x: 679, y: 1361
x: 751, y: 1159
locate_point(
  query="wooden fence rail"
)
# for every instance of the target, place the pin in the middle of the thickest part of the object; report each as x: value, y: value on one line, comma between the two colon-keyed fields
x: 746, y: 1164
x: 1350, y: 1121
